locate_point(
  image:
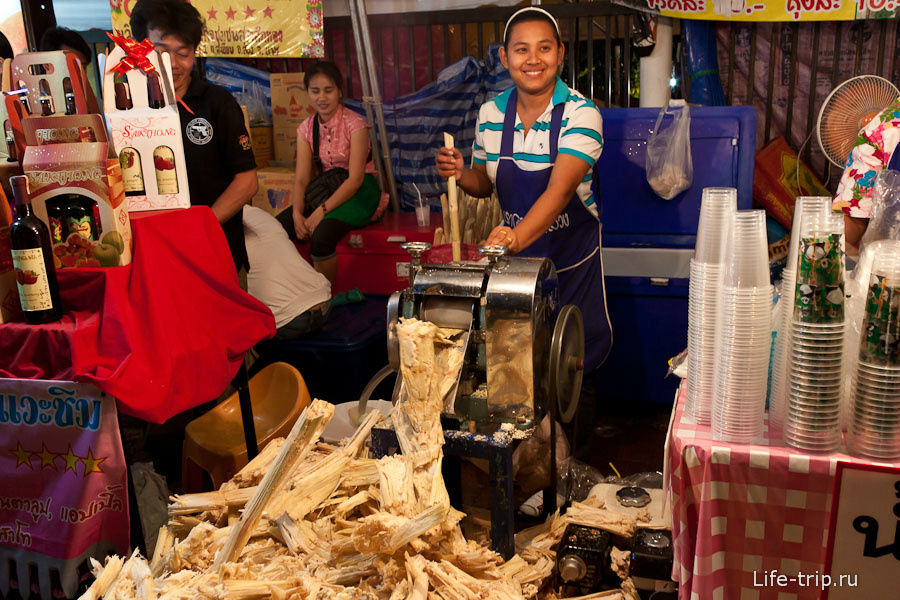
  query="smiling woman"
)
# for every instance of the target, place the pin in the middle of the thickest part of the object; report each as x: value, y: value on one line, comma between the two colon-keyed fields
x: 537, y: 144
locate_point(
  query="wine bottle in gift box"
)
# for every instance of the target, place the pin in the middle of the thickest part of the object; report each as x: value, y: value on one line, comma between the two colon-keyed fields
x: 164, y: 165
x: 132, y: 177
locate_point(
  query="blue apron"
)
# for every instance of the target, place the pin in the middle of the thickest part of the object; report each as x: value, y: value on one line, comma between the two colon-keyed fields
x: 572, y: 242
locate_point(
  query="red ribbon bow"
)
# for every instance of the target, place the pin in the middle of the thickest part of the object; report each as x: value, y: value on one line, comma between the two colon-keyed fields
x: 135, y: 54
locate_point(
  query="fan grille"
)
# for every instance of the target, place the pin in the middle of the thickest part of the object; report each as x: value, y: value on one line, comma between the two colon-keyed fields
x: 847, y: 110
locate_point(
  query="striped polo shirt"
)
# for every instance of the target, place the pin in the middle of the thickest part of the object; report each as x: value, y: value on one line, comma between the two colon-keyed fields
x: 580, y: 136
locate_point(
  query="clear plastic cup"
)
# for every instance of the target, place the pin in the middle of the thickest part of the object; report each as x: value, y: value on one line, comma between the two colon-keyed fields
x: 747, y: 258
x: 716, y: 207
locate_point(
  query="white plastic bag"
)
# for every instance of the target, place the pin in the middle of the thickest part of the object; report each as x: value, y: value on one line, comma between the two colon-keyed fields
x: 670, y: 169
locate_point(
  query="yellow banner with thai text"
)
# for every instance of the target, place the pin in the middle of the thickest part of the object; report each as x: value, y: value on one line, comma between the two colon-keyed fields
x: 777, y: 10
x: 249, y: 28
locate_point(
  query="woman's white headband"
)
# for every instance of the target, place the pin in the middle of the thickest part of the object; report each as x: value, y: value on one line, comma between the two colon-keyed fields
x: 530, y: 9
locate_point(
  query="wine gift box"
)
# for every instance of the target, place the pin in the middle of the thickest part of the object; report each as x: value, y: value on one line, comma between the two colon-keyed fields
x: 147, y: 140
x: 76, y: 188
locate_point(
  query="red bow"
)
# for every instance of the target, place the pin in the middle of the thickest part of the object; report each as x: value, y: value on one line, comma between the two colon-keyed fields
x: 135, y: 54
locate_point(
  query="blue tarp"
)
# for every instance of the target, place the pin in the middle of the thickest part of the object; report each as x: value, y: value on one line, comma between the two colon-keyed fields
x: 416, y: 123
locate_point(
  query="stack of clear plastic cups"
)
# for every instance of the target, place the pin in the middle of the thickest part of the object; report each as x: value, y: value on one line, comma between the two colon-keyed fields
x: 716, y: 212
x: 744, y: 333
x: 778, y: 395
x: 813, y: 416
x: 875, y: 418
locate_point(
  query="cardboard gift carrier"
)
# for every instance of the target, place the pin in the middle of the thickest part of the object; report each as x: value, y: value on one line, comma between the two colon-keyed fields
x: 68, y: 163
x: 54, y: 84
x: 148, y: 140
x: 775, y: 181
x: 290, y: 107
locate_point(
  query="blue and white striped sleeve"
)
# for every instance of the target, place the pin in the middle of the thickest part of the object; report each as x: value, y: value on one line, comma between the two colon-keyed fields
x: 479, y: 156
x: 582, y: 136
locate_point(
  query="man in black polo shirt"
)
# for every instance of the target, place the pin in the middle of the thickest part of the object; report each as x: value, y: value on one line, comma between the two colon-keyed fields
x: 221, y: 168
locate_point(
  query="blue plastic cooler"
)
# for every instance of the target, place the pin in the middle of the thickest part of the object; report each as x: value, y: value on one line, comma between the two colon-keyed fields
x: 648, y: 241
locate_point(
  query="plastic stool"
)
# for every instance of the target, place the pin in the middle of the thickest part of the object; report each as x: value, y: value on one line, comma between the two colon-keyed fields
x: 214, y: 442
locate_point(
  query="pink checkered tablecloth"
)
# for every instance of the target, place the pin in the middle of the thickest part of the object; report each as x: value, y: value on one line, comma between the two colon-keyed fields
x: 741, y: 510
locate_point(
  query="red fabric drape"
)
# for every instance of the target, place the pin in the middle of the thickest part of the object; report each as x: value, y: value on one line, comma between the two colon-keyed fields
x: 162, y: 335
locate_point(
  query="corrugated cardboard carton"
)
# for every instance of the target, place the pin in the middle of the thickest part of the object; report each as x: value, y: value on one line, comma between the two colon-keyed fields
x: 276, y: 186
x: 290, y: 106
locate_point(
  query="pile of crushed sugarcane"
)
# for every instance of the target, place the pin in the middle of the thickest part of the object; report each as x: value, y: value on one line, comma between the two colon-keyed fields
x: 308, y: 520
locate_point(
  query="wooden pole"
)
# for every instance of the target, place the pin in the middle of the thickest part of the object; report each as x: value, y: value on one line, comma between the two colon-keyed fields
x: 454, y: 207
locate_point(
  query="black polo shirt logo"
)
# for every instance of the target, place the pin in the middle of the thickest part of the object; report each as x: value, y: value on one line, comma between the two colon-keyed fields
x: 199, y: 131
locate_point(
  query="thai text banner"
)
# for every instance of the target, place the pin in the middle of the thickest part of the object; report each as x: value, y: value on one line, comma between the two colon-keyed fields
x: 249, y: 28
x: 777, y: 10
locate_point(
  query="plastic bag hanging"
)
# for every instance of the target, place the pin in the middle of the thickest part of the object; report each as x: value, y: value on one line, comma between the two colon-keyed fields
x: 670, y: 169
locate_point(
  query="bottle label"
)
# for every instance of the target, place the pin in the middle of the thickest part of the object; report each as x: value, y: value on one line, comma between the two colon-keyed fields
x: 166, y: 179
x: 31, y: 279
x: 131, y: 171
x: 81, y: 226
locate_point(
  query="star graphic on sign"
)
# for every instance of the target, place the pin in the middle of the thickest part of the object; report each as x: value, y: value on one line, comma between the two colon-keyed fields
x: 212, y: 13
x: 248, y: 12
x: 47, y: 457
x: 230, y: 13
x: 71, y: 460
x: 267, y: 12
x: 91, y: 464
x: 23, y: 457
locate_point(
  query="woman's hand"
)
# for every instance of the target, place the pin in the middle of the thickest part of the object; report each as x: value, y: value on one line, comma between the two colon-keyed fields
x: 502, y: 235
x: 313, y: 220
x: 449, y: 163
x: 300, y: 226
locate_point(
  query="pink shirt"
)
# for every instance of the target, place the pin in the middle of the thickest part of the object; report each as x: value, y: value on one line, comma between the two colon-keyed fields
x: 334, y: 138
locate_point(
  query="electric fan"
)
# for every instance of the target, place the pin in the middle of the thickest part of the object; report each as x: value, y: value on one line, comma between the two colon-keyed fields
x: 847, y: 109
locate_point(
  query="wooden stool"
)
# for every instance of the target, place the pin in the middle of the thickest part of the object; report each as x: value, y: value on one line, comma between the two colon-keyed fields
x: 214, y: 442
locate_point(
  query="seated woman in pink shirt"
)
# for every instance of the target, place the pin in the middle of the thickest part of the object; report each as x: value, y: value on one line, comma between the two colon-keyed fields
x: 343, y: 142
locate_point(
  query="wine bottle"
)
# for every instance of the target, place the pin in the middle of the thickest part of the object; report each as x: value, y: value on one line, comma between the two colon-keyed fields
x: 130, y: 161
x: 79, y: 216
x: 56, y: 218
x: 69, y: 94
x: 164, y: 165
x: 33, y: 259
x: 123, y: 94
x: 154, y: 91
x: 45, y: 99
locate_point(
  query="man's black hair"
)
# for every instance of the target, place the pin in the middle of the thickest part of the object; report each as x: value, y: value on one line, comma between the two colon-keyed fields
x: 172, y: 17
x: 329, y: 70
x: 528, y: 17
x: 57, y: 37
x: 6, y: 50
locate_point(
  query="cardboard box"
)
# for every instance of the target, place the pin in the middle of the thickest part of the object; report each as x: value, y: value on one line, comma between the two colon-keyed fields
x: 276, y: 187
x: 69, y: 156
x: 153, y: 133
x: 775, y: 181
x: 261, y: 140
x: 290, y: 106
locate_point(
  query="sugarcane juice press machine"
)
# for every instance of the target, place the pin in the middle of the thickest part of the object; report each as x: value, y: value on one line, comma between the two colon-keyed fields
x: 524, y: 358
